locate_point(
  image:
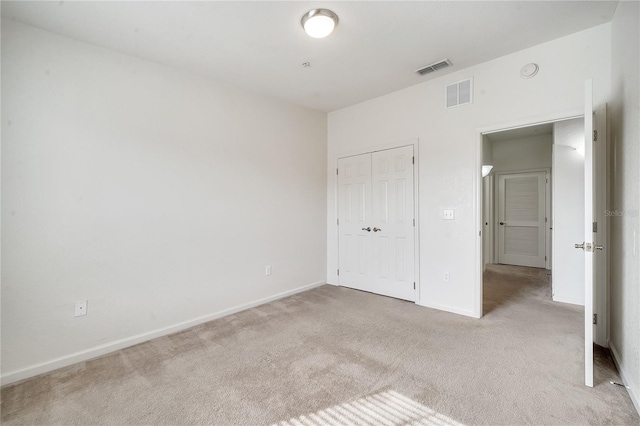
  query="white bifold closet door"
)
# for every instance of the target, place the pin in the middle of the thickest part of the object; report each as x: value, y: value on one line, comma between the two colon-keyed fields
x: 376, y: 222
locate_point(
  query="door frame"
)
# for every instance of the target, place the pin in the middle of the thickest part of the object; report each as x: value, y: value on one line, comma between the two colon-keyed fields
x: 477, y: 176
x: 601, y: 305
x: 415, y: 143
x: 547, y: 212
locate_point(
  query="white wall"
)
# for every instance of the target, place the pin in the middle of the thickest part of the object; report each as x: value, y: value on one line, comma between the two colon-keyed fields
x: 624, y: 226
x: 522, y: 154
x: 488, y: 220
x: 487, y: 150
x: 449, y: 148
x: 568, y: 212
x: 158, y: 195
x: 487, y: 204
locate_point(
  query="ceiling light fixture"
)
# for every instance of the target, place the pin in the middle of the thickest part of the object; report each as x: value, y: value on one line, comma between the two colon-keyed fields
x: 319, y: 23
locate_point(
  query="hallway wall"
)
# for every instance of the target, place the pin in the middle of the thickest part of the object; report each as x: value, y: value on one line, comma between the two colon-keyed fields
x: 624, y: 208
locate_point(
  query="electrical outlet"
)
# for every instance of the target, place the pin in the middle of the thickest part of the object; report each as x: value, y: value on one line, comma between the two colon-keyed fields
x: 81, y: 308
x: 446, y: 277
x: 267, y: 270
x: 448, y: 214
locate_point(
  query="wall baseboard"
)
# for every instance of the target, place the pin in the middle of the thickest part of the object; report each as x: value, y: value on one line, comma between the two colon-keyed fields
x: 97, y: 351
x: 446, y: 308
x: 570, y: 300
x: 634, y: 394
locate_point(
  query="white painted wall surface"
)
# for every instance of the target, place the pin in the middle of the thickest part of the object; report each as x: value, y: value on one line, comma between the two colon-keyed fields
x: 487, y: 204
x: 448, y: 163
x: 488, y: 220
x: 522, y: 154
x: 487, y: 150
x: 158, y: 195
x: 568, y: 212
x: 624, y: 224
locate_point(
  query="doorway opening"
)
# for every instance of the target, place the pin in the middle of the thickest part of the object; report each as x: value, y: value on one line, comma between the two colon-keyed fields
x: 533, y: 203
x: 594, y: 235
x: 535, y: 216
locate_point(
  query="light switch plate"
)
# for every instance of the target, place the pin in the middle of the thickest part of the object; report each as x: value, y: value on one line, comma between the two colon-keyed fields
x: 448, y: 215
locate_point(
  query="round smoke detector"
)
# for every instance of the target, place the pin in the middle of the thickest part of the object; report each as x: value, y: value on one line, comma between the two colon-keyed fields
x: 529, y: 70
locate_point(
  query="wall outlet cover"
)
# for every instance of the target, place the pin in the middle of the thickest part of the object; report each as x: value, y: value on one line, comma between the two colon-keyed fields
x: 81, y: 308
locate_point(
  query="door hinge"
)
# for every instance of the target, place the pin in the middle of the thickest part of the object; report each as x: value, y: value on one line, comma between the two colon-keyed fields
x: 545, y: 258
x: 414, y: 285
x: 337, y: 221
x: 595, y: 136
x: 338, y: 272
x: 413, y: 160
x: 595, y: 318
x: 545, y: 220
x: 337, y: 171
x: 414, y: 223
x: 479, y: 233
x: 546, y: 181
x: 595, y: 227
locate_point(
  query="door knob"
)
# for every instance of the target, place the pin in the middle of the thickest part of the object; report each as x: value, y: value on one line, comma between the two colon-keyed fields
x: 377, y: 229
x: 368, y: 229
x: 588, y: 247
x: 503, y: 223
x: 597, y: 247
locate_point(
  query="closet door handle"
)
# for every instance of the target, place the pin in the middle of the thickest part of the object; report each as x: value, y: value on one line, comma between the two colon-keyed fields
x: 377, y: 229
x: 368, y: 229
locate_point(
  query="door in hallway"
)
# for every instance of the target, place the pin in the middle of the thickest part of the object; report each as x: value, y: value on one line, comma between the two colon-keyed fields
x: 376, y: 222
x: 521, y: 219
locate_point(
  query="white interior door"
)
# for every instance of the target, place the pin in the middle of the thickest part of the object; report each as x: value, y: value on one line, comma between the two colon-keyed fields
x: 521, y: 219
x: 393, y: 236
x: 376, y: 223
x: 568, y: 211
x: 587, y: 245
x: 600, y: 267
x: 354, y: 222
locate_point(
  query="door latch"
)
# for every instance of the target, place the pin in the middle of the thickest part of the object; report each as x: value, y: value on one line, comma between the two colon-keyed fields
x: 588, y: 247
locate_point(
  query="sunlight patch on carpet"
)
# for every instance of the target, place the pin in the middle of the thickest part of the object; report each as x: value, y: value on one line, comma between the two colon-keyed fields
x: 387, y: 408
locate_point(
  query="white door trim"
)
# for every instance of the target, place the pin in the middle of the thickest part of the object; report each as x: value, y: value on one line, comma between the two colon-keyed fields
x: 415, y: 142
x: 477, y: 176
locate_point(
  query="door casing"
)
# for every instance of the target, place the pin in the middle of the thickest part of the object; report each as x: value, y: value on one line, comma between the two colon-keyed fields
x: 480, y: 132
x: 601, y: 306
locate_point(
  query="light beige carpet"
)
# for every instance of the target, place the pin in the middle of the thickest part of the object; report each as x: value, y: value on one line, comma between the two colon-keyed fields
x: 338, y: 356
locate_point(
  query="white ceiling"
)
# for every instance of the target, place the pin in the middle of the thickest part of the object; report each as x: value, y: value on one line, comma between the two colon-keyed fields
x: 260, y: 46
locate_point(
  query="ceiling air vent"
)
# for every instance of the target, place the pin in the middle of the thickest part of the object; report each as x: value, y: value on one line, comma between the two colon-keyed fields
x: 459, y: 93
x: 434, y: 67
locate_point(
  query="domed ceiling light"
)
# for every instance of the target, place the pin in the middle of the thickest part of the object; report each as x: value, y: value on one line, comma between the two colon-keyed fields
x: 319, y: 23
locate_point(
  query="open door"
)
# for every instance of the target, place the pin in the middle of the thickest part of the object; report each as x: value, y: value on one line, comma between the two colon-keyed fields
x: 588, y: 245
